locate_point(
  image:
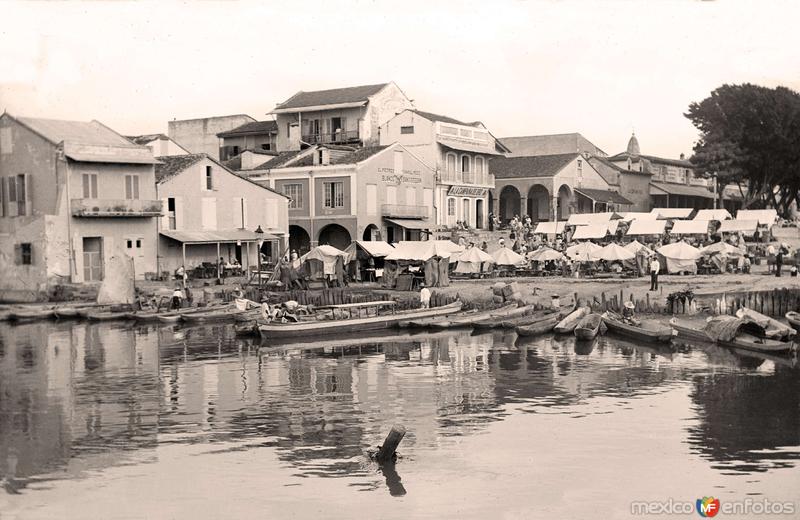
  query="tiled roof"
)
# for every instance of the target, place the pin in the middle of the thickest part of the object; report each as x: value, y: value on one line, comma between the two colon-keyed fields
x: 280, y: 160
x: 604, y: 196
x: 92, y: 132
x: 534, y: 166
x: 331, y: 97
x: 653, y: 159
x: 143, y: 140
x: 549, y: 144
x: 430, y: 116
x: 362, y: 154
x: 172, y: 165
x: 256, y: 127
x: 616, y: 167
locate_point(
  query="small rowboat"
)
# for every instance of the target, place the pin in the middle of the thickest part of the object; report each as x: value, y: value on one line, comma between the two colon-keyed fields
x: 645, y: 331
x: 794, y: 319
x: 533, y: 319
x: 495, y: 319
x: 169, y: 318
x: 569, y: 323
x: 219, y: 315
x: 65, y: 313
x: 589, y: 326
x: 107, y: 316
x: 742, y: 340
x: 456, y: 319
x: 541, y: 327
x: 28, y: 315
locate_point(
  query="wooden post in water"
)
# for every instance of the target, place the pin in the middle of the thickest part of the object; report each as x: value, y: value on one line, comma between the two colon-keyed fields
x: 603, y: 303
x: 647, y: 297
x: 387, y: 451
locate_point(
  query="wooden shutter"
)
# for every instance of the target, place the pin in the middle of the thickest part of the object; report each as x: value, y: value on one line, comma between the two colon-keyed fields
x: 2, y: 197
x: 12, y: 196
x: 33, y: 260
x: 178, y: 212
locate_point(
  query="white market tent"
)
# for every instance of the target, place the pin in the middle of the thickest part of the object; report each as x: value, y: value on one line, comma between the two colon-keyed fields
x: 585, y: 219
x: 505, y: 256
x: 647, y: 227
x: 614, y: 253
x: 325, y: 254
x: 738, y: 226
x: 420, y: 251
x: 672, y: 213
x: 590, y: 231
x: 543, y: 254
x: 690, y: 227
x: 550, y: 228
x: 633, y: 215
x: 636, y: 246
x: 584, y: 252
x: 471, y: 261
x: 375, y: 249
x: 680, y: 257
x: 713, y: 214
x: 765, y: 217
x: 723, y: 248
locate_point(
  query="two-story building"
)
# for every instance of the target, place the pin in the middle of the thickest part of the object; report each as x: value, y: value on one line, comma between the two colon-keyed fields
x: 259, y: 136
x: 348, y: 116
x: 339, y: 194
x: 72, y: 195
x: 200, y: 135
x: 459, y: 153
x: 211, y: 213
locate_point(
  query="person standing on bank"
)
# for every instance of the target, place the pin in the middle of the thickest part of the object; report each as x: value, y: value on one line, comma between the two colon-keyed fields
x: 655, y: 267
x: 425, y: 297
x: 779, y: 260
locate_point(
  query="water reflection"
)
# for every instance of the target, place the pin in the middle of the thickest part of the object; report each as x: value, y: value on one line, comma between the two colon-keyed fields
x: 77, y: 397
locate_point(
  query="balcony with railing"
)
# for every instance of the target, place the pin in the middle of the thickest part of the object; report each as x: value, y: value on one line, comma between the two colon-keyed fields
x: 478, y: 179
x: 338, y: 137
x: 404, y: 211
x: 116, y: 208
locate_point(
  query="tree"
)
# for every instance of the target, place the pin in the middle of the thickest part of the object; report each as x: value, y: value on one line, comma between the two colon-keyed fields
x: 750, y: 136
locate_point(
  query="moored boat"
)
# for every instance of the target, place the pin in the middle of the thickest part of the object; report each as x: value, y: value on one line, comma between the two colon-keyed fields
x: 569, y: 323
x: 63, y: 312
x: 646, y: 330
x: 455, y: 319
x: 589, y: 326
x: 541, y: 327
x: 727, y: 333
x: 325, y: 327
x: 107, y: 315
x: 794, y: 319
x: 495, y: 319
x: 220, y: 315
x: 21, y: 315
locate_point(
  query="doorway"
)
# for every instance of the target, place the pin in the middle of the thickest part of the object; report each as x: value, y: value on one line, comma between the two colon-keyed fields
x: 479, y: 214
x: 92, y: 259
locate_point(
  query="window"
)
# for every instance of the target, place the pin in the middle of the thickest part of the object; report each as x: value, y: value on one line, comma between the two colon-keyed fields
x: 479, y: 165
x: 465, y: 215
x: 451, y: 207
x: 235, y: 153
x: 209, y: 179
x: 24, y: 254
x: 465, y: 164
x: 129, y: 243
x: 295, y: 193
x: 171, y: 213
x: 22, y: 195
x: 391, y: 194
x: 451, y: 162
x: 372, y: 199
x: 266, y: 146
x: 334, y: 194
x: 131, y: 186
x: 580, y: 166
x: 411, y: 196
x: 406, y: 129
x: 6, y: 141
x: 89, y: 185
x: 2, y: 197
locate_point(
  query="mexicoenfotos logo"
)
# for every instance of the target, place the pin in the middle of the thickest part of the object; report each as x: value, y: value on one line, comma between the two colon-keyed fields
x: 707, y: 507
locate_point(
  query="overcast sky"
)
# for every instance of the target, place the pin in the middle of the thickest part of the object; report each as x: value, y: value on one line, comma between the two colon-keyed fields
x: 523, y: 68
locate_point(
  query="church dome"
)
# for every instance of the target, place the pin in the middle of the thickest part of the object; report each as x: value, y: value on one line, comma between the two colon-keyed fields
x: 633, y: 145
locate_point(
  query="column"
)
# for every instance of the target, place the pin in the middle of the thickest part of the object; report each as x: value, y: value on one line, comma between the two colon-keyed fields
x: 554, y: 209
x: 523, y: 206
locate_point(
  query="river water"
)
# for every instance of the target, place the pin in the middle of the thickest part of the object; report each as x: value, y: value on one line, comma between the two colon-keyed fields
x: 116, y: 421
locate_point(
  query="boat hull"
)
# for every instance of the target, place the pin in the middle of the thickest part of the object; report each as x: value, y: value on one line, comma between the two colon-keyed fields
x: 623, y: 329
x: 569, y: 323
x: 542, y: 327
x: 589, y: 327
x: 744, y: 341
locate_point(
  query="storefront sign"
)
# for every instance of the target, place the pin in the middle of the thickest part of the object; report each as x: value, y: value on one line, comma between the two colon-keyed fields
x: 467, y: 191
x: 389, y: 176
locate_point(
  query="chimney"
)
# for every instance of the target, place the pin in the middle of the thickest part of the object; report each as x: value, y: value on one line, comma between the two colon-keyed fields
x: 683, y: 157
x: 294, y: 137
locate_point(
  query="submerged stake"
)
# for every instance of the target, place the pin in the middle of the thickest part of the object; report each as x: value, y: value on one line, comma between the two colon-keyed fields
x: 386, y: 452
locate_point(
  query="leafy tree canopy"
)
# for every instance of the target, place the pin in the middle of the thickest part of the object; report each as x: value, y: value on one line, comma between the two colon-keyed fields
x: 750, y: 136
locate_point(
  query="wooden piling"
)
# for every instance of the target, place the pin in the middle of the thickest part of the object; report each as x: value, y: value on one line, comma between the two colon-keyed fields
x: 647, y: 297
x: 387, y: 451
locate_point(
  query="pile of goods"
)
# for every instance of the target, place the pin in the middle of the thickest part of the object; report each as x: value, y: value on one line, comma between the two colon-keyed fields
x: 506, y: 292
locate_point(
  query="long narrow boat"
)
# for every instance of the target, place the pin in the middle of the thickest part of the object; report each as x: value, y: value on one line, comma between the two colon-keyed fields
x: 311, y: 328
x: 645, y: 331
x: 742, y: 340
x: 495, y: 319
x: 220, y: 315
x: 589, y: 327
x: 428, y: 322
x: 65, y: 312
x: 107, y: 315
x: 542, y: 327
x: 535, y: 318
x: 23, y: 315
x: 569, y: 323
x: 456, y: 319
x: 794, y: 319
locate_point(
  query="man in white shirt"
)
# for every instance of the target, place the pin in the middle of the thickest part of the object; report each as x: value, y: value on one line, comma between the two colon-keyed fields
x: 655, y: 267
x: 425, y: 297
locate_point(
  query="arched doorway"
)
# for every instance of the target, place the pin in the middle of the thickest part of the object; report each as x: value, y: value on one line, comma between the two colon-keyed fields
x: 371, y: 233
x: 479, y: 213
x: 509, y: 203
x: 299, y: 240
x: 334, y: 235
x: 539, y: 203
x: 564, y: 202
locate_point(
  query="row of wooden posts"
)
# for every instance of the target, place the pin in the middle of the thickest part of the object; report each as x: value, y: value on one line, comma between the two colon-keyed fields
x: 615, y: 302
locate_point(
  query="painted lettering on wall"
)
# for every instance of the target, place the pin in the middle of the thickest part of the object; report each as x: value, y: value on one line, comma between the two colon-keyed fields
x: 406, y: 177
x: 466, y: 191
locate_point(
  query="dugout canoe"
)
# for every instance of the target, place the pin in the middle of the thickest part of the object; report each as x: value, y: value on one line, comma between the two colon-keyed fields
x: 349, y: 325
x: 569, y: 323
x: 742, y: 340
x: 645, y: 331
x: 541, y: 327
x: 589, y: 327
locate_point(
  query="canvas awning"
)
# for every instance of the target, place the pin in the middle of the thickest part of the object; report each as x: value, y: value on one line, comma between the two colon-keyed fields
x: 647, y: 227
x: 690, y: 227
x: 505, y: 256
x: 666, y: 188
x: 465, y: 146
x: 409, y: 223
x: 765, y: 217
x: 665, y: 213
x: 636, y: 246
x: 590, y: 231
x: 736, y: 226
x: 377, y: 249
x: 713, y: 214
x: 679, y: 251
x: 550, y: 228
x: 423, y: 250
x: 603, y: 196
x: 216, y: 237
x: 583, y: 219
x: 633, y: 215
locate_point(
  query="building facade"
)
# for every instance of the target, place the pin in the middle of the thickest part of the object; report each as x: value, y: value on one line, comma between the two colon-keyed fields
x: 259, y: 136
x: 459, y: 153
x: 551, y: 144
x: 200, y: 135
x: 73, y: 195
x: 631, y: 184
x: 210, y: 213
x: 340, y: 194
x: 348, y: 116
